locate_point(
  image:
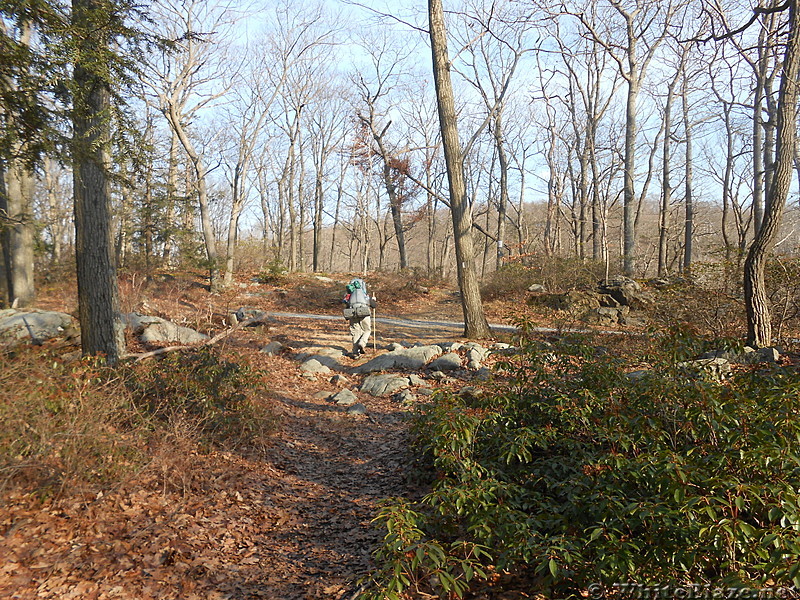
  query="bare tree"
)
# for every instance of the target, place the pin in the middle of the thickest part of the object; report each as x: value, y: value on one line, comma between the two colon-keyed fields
x: 759, y: 326
x: 185, y: 81
x: 644, y: 27
x: 475, y: 323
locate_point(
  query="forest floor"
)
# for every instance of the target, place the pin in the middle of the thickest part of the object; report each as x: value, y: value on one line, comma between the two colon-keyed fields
x: 293, y: 521
x: 290, y: 521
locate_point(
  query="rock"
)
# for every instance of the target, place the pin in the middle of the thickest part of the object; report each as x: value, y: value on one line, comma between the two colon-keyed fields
x: 622, y: 289
x: 404, y: 397
x: 415, y: 379
x: 314, y: 367
x: 395, y: 346
x: 470, y: 392
x: 323, y: 395
x: 607, y: 300
x: 477, y: 353
x: 260, y: 317
x: 448, y: 362
x: 483, y: 374
x: 450, y: 346
x: 344, y: 398
x: 165, y: 331
x: 324, y: 279
x: 426, y: 392
x: 748, y: 356
x: 35, y: 325
x: 330, y: 357
x: 574, y: 301
x: 272, y: 349
x: 638, y: 375
x: 412, y: 359
x: 717, y: 368
x: 339, y: 379
x: 384, y: 384
x: 357, y: 409
x: 626, y: 291
x: 767, y: 355
x: 605, y: 315
x: 537, y: 288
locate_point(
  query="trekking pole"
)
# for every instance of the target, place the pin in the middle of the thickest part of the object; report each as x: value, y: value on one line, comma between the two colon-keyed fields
x: 374, y: 327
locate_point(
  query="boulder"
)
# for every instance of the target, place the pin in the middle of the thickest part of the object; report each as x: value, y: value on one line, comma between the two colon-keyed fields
x: 155, y: 330
x: 415, y: 379
x: 748, y: 356
x: 605, y: 315
x: 273, y: 348
x: 404, y: 397
x: 537, y: 288
x: 408, y: 358
x: 622, y: 289
x: 34, y: 325
x: 716, y: 368
x: 357, y: 409
x: 384, y: 384
x: 574, y: 301
x: 330, y: 357
x: 243, y: 313
x: 344, y: 398
x: 167, y: 332
x: 448, y: 362
x: 313, y: 367
x: 625, y: 291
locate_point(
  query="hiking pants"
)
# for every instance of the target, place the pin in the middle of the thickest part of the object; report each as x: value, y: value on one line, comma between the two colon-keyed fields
x: 360, y: 328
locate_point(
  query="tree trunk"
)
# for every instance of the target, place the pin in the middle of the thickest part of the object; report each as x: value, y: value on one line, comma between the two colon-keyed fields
x: 102, y: 331
x: 502, y: 205
x: 629, y: 172
x: 758, y: 136
x: 475, y: 323
x: 200, y: 173
x: 688, y: 232
x: 759, y: 326
x: 666, y: 187
x: 16, y: 201
x: 18, y: 238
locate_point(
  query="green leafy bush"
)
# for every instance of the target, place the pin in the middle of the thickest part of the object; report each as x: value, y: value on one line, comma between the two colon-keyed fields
x: 577, y: 473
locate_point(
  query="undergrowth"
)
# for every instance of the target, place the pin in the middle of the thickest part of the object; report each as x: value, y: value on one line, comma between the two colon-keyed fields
x: 574, y: 473
x: 71, y: 424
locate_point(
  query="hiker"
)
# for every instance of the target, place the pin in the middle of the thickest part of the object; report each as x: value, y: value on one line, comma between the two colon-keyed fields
x: 357, y: 313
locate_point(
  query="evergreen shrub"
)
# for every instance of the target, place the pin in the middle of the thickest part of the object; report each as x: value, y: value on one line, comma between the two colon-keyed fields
x: 574, y: 472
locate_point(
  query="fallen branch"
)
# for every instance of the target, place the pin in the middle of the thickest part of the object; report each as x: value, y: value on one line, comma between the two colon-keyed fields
x: 208, y: 342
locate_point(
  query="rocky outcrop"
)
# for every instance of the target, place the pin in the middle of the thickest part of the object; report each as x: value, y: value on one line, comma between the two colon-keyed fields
x: 155, y: 330
x: 35, y: 326
x: 411, y: 359
x: 625, y: 292
x: 384, y: 384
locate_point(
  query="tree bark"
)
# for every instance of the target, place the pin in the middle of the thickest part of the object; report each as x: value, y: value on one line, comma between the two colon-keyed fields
x: 475, y: 323
x: 18, y: 235
x: 200, y: 173
x: 16, y: 200
x: 102, y: 331
x: 759, y: 326
x: 688, y: 231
